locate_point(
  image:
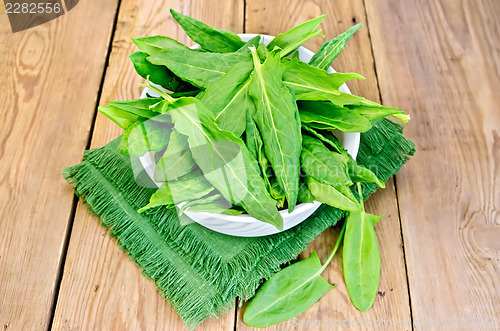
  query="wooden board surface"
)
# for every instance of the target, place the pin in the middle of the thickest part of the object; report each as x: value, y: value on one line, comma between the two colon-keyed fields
x: 392, y: 302
x: 45, y: 118
x: 441, y: 63
x: 101, y: 288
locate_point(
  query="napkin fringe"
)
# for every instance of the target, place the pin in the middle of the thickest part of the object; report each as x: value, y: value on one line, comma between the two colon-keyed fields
x: 105, y: 182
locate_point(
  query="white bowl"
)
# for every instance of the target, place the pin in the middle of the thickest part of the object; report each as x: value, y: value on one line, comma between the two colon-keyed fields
x: 245, y: 225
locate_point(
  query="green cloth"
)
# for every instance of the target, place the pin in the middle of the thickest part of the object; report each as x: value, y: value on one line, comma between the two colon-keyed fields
x: 198, y: 271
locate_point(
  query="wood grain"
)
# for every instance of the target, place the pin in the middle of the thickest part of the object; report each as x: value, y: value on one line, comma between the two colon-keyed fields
x: 44, y: 124
x: 441, y: 63
x: 335, y: 307
x: 101, y: 288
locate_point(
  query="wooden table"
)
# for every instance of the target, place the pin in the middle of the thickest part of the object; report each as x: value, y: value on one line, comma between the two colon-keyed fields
x: 440, y: 240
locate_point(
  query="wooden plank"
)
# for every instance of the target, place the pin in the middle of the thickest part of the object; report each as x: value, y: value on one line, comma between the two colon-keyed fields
x: 440, y: 61
x: 335, y: 307
x: 44, y: 123
x: 101, y: 288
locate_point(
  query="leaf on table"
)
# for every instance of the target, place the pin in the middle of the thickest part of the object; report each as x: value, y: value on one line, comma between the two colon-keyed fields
x: 224, y: 160
x: 325, y: 115
x: 177, y: 160
x: 277, y: 119
x: 361, y: 259
x: 208, y: 37
x: 337, y: 197
x: 324, y: 165
x: 292, y: 39
x: 230, y: 107
x: 329, y: 51
x: 197, y: 68
x: 310, y: 83
x: 161, y: 197
x: 287, y: 293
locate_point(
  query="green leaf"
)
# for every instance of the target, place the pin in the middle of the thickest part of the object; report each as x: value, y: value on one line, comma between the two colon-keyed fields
x: 230, y: 107
x: 293, y: 38
x: 142, y: 137
x: 361, y: 259
x: 254, y: 42
x: 122, y: 118
x: 291, y: 291
x: 155, y: 44
x: 373, y: 113
x: 126, y: 113
x: 177, y: 160
x: 322, y: 164
x: 337, y: 197
x: 161, y: 107
x: 287, y: 293
x: 326, y: 137
x: 197, y: 68
x: 255, y: 146
x: 140, y: 107
x: 329, y: 51
x: 277, y: 192
x: 157, y: 74
x: 326, y: 115
x: 278, y: 122
x: 370, y: 109
x: 262, y: 52
x: 161, y: 197
x: 190, y: 187
x: 304, y: 194
x: 216, y: 207
x: 209, y: 38
x: 225, y: 161
x: 252, y: 137
x: 310, y: 83
x: 361, y: 174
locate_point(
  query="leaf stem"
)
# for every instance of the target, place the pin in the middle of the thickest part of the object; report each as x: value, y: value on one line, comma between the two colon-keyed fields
x: 335, y: 248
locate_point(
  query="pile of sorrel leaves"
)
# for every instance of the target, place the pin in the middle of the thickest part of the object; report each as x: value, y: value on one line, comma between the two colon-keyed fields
x: 240, y: 127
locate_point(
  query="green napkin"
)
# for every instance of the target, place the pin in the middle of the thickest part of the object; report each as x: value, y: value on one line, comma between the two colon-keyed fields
x: 198, y: 271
